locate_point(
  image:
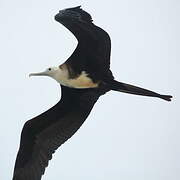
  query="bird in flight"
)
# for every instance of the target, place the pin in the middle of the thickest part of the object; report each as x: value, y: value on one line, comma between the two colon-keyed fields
x: 83, y: 78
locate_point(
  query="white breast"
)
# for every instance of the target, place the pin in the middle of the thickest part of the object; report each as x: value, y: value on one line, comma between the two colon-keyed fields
x: 81, y: 81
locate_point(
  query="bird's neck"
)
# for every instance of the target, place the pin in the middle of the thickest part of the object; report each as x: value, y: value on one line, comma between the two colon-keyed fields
x: 79, y: 81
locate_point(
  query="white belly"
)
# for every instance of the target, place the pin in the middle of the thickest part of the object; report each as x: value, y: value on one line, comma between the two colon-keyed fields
x: 82, y: 81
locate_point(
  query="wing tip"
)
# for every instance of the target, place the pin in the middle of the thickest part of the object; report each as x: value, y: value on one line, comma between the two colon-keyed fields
x: 74, y: 13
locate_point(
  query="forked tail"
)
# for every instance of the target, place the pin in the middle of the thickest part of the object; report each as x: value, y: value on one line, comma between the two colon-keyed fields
x: 127, y: 88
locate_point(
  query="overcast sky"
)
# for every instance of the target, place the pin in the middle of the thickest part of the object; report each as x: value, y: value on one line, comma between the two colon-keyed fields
x: 125, y: 137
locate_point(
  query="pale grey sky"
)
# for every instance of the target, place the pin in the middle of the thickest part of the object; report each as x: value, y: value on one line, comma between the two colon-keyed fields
x: 125, y: 137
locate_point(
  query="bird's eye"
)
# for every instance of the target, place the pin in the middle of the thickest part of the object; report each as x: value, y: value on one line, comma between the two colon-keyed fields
x: 49, y: 69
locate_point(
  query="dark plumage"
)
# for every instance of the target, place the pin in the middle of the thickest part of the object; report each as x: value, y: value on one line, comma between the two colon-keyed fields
x: 42, y: 135
x: 92, y: 53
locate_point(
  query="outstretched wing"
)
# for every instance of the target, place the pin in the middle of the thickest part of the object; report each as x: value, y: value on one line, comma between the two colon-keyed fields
x: 42, y: 135
x: 94, y: 43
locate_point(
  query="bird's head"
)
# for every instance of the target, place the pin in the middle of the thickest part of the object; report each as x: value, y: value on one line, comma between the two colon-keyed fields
x: 51, y: 72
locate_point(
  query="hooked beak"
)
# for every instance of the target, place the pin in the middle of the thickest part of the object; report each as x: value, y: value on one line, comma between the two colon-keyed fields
x: 39, y: 74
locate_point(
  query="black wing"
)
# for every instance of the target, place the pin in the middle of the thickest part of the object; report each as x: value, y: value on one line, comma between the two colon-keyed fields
x: 94, y: 45
x: 42, y: 135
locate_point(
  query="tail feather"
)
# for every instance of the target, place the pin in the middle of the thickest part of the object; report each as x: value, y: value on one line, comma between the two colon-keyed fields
x: 127, y: 88
x: 166, y: 97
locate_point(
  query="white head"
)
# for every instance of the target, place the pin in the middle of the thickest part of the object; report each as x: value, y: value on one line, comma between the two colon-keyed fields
x: 61, y: 75
x: 51, y: 72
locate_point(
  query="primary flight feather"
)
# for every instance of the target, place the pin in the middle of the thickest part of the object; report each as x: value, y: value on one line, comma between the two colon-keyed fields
x: 83, y: 77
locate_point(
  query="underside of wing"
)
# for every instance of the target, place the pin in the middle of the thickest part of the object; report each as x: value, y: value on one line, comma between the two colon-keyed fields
x: 94, y: 43
x: 42, y: 135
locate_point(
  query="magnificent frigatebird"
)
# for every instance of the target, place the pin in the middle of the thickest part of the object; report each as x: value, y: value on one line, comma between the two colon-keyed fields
x: 84, y: 77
